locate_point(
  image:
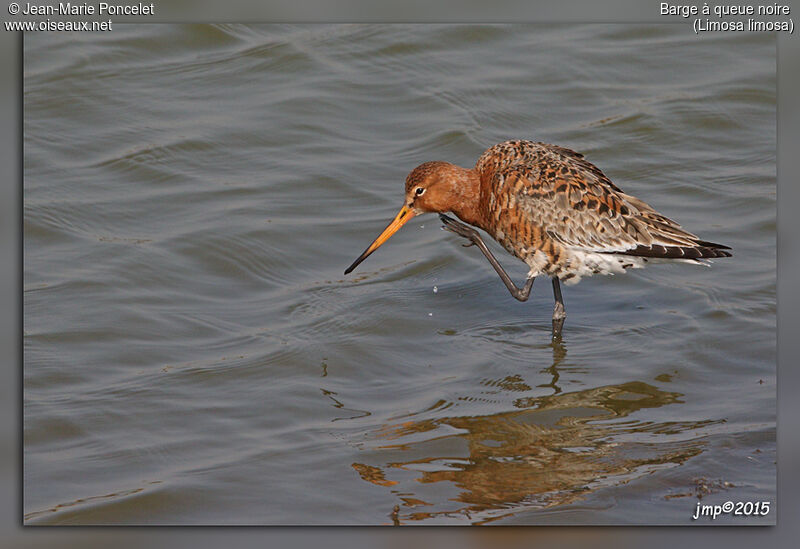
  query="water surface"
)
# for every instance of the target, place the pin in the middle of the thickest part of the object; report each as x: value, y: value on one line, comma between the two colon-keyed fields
x: 194, y: 355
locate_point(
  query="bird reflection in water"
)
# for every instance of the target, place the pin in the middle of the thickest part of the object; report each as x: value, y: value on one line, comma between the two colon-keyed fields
x: 559, y: 352
x: 549, y: 451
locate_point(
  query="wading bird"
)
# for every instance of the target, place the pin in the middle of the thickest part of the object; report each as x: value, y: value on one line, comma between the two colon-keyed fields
x: 552, y: 209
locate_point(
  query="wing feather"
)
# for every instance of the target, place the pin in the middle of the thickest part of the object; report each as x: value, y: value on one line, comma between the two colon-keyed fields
x: 573, y: 203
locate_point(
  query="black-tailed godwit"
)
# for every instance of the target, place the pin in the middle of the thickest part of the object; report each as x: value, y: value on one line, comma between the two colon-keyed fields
x: 552, y: 209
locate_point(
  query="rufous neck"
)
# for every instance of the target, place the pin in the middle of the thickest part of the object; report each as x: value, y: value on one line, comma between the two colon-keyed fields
x: 468, y: 195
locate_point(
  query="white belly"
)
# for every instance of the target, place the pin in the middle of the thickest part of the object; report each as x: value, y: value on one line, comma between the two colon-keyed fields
x: 580, y: 263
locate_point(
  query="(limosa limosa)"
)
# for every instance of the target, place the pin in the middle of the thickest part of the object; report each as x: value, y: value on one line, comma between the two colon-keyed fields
x: 552, y: 209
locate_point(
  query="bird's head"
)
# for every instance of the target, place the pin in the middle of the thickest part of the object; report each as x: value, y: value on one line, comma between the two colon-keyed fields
x: 430, y: 187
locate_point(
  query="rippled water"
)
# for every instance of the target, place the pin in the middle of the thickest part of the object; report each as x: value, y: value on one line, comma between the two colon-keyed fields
x: 194, y: 355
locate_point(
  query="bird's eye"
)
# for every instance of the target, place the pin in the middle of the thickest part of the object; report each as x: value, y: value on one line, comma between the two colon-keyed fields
x: 419, y: 191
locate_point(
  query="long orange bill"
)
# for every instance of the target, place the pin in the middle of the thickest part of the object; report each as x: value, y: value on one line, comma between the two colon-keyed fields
x: 402, y: 218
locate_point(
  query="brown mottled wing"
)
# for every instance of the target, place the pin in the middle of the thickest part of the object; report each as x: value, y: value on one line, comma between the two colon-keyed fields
x: 569, y: 201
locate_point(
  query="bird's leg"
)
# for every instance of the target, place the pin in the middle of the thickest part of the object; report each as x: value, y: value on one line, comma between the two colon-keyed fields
x: 559, y: 313
x: 475, y: 239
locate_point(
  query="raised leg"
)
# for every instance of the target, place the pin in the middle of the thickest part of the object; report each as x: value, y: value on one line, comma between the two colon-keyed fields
x: 559, y: 313
x: 475, y: 239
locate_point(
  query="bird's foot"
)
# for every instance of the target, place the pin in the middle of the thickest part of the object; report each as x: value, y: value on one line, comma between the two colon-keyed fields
x: 559, y: 314
x: 460, y: 229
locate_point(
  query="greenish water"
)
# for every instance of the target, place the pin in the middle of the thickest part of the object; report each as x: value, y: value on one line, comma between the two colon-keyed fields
x: 194, y: 355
